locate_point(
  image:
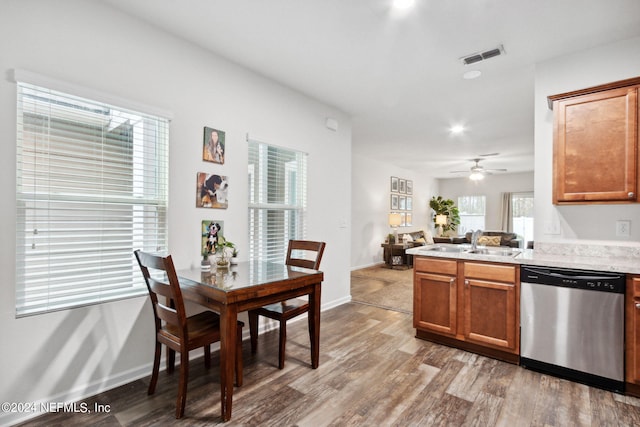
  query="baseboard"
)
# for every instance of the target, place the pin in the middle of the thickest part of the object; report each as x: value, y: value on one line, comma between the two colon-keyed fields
x: 374, y: 264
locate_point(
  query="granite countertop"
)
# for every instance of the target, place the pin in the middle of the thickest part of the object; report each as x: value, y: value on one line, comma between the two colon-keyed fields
x: 577, y: 256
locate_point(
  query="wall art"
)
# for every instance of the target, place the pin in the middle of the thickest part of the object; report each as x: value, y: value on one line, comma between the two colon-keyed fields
x: 212, y: 191
x: 213, y: 145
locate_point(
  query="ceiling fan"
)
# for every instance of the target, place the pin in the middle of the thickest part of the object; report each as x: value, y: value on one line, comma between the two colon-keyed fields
x: 478, y: 172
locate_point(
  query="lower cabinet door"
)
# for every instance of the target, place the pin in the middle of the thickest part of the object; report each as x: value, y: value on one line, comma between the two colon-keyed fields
x: 490, y: 313
x: 435, y: 303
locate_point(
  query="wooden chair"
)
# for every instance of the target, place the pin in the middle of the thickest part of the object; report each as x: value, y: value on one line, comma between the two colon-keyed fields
x: 285, y: 310
x: 177, y: 331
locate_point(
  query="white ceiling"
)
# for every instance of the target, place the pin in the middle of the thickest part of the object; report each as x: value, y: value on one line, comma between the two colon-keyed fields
x: 399, y: 75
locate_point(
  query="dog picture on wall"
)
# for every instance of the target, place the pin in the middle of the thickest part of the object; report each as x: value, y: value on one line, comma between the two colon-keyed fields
x: 211, y: 231
x: 212, y: 191
x: 213, y: 145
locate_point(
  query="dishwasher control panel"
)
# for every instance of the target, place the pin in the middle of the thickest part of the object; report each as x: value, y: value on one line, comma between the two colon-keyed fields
x: 577, y: 279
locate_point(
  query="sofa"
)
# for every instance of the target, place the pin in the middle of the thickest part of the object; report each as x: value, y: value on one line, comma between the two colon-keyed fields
x: 506, y: 239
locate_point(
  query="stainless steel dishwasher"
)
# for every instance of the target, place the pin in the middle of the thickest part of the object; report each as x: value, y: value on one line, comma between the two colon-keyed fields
x: 572, y: 324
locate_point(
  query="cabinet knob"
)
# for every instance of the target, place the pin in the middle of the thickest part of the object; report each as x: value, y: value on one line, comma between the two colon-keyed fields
x: 452, y: 280
x: 638, y: 305
x: 631, y: 194
x: 466, y: 283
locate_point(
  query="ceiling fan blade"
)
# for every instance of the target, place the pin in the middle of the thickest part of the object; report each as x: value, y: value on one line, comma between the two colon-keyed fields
x: 496, y: 170
x: 459, y: 171
x: 489, y: 154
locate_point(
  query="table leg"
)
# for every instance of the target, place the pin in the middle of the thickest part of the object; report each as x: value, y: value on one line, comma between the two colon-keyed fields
x: 314, y: 325
x: 228, y: 332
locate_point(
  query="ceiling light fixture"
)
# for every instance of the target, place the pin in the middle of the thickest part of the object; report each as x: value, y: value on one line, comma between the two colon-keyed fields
x: 403, y: 4
x: 471, y: 74
x: 456, y: 129
x: 476, y: 176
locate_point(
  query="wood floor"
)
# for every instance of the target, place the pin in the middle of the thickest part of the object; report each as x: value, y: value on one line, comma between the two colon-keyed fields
x: 373, y: 372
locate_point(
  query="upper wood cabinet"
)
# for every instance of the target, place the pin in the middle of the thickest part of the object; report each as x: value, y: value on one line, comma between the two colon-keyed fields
x: 595, y: 150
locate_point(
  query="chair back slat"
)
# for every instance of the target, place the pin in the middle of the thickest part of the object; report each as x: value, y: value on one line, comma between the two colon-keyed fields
x: 164, y: 290
x: 305, y: 253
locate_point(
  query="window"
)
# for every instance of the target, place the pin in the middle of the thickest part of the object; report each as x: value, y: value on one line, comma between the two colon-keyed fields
x: 277, y: 200
x: 522, y: 215
x: 92, y: 186
x: 472, y: 211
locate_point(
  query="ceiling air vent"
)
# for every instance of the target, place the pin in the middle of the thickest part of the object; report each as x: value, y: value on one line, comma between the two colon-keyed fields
x: 477, y: 57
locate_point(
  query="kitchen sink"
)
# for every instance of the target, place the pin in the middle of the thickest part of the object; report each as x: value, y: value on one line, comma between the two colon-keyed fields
x: 466, y: 249
x: 448, y: 248
x: 494, y: 251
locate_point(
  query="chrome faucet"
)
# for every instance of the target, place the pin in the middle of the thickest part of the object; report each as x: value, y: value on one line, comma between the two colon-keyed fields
x: 474, y: 239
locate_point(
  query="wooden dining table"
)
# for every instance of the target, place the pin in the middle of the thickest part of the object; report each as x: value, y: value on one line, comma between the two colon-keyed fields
x: 243, y: 287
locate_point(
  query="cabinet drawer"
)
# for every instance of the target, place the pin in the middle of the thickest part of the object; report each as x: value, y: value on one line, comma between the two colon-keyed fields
x: 498, y: 272
x: 433, y: 265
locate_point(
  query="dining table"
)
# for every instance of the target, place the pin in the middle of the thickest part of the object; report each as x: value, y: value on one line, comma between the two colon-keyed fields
x: 245, y: 286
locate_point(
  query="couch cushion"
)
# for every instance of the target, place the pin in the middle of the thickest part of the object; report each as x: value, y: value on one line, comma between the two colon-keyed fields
x: 489, y: 240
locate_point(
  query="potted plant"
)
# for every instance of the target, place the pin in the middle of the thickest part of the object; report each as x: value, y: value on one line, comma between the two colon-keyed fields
x: 234, y: 255
x: 446, y: 207
x: 222, y: 257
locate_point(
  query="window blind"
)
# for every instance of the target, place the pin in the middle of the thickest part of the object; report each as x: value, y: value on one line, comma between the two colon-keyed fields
x: 277, y: 199
x: 92, y: 186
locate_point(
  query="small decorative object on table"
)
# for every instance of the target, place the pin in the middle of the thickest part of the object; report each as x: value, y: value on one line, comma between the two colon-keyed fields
x: 234, y: 256
x: 222, y: 257
x: 205, y: 264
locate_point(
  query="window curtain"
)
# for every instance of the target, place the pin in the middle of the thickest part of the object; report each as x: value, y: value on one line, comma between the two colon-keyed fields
x: 506, y: 212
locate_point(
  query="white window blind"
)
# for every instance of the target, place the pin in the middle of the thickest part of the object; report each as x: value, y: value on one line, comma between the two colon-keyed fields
x: 277, y: 200
x: 92, y: 186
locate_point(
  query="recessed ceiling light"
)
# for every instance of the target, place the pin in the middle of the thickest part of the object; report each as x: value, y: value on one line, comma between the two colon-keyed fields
x: 456, y: 129
x: 471, y: 74
x: 403, y: 4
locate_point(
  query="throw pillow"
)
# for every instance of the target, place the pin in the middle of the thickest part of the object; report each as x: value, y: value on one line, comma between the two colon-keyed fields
x: 407, y: 238
x: 428, y: 238
x: 489, y: 240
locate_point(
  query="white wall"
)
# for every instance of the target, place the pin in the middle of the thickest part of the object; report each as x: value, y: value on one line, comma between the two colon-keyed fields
x: 371, y: 206
x: 492, y: 186
x: 592, y: 67
x: 75, y: 353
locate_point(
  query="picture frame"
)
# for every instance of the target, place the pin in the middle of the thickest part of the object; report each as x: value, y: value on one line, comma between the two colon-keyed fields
x: 212, y: 191
x: 409, y: 187
x: 409, y: 219
x: 402, y: 203
x: 403, y: 219
x: 402, y: 186
x: 394, y: 184
x: 394, y: 202
x: 409, y: 203
x: 213, y: 145
x: 210, y: 230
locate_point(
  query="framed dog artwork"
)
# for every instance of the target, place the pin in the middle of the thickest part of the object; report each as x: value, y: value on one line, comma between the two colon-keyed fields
x: 211, y: 230
x: 212, y: 191
x: 213, y: 145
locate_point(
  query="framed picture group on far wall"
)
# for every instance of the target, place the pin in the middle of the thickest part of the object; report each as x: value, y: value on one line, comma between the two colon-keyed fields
x: 401, y: 199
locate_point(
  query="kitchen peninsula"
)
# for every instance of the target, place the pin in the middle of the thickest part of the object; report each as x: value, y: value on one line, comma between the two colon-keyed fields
x: 472, y: 298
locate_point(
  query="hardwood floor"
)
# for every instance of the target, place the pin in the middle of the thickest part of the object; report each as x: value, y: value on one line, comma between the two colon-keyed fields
x: 372, y: 372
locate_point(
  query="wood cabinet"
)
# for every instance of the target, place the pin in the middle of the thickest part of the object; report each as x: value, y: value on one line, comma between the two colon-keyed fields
x: 434, y: 295
x: 491, y: 305
x: 595, y: 151
x: 471, y: 305
x: 632, y: 335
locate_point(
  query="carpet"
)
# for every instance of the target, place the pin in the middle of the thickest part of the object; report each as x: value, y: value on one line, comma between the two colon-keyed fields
x: 383, y: 287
